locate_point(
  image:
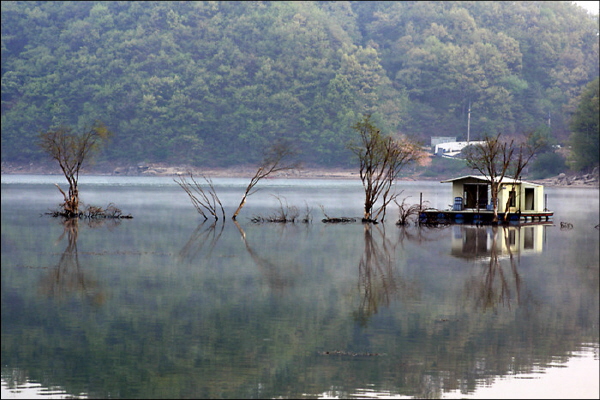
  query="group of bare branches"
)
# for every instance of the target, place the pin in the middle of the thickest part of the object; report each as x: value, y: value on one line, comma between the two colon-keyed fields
x: 381, y: 159
x: 407, y: 212
x: 279, y: 157
x: 70, y: 150
x: 495, y: 159
x: 334, y: 220
x: 95, y: 212
x: 204, y: 200
x: 285, y: 214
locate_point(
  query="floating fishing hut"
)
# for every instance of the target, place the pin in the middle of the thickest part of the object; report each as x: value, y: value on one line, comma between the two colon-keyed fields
x: 518, y: 202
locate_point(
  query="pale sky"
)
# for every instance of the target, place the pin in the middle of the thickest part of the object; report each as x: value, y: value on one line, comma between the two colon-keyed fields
x: 591, y: 6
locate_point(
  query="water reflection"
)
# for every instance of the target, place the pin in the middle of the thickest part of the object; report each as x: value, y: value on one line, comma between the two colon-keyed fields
x: 484, y: 241
x: 224, y: 311
x: 68, y: 277
x: 425, y: 233
x: 205, y: 235
x: 497, y: 249
x: 273, y: 271
x: 379, y: 282
x: 17, y: 385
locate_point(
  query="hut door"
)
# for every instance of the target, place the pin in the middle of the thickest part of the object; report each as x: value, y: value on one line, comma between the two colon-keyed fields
x: 529, y: 199
x: 476, y: 194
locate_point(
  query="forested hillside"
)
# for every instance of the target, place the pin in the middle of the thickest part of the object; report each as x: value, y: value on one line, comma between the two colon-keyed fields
x: 214, y: 83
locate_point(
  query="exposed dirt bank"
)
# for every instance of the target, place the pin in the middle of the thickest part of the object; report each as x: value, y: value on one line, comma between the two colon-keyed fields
x: 145, y: 169
x: 566, y: 180
x: 572, y: 180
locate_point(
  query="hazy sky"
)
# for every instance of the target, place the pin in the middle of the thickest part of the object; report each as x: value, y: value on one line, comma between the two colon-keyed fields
x: 591, y: 6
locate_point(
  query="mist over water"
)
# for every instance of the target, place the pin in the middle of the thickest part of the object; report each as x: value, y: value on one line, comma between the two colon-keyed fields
x: 166, y: 305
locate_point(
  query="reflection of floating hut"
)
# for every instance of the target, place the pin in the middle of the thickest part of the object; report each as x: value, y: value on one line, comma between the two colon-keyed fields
x: 470, y: 241
x: 472, y: 202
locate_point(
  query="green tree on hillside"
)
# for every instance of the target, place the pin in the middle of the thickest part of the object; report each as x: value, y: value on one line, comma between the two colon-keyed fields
x: 547, y: 161
x: 584, y: 125
x: 214, y: 83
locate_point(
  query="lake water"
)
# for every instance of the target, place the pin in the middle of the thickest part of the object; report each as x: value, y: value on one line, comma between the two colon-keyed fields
x: 166, y: 306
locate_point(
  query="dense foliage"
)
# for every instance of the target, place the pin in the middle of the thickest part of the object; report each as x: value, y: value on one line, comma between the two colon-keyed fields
x: 585, y: 139
x: 213, y: 83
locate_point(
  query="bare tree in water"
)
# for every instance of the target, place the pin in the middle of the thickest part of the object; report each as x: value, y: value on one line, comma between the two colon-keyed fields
x: 206, y: 200
x: 203, y: 199
x: 494, y: 159
x: 71, y: 149
x: 381, y: 159
x: 277, y: 158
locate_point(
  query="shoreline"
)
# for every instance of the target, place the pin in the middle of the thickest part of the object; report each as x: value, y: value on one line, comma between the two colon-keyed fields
x: 184, y: 170
x: 143, y: 169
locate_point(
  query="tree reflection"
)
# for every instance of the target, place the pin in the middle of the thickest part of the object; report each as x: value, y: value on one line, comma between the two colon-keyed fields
x: 201, y: 237
x: 272, y: 271
x: 423, y: 233
x: 498, y: 285
x: 378, y: 282
x: 67, y: 277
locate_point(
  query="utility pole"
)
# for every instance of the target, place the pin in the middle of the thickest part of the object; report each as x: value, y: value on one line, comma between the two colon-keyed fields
x: 469, y: 123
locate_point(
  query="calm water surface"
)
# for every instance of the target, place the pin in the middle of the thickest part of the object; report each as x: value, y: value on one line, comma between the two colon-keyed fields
x: 166, y: 306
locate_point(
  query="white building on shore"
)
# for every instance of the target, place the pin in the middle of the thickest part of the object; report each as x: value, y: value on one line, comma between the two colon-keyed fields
x: 452, y: 149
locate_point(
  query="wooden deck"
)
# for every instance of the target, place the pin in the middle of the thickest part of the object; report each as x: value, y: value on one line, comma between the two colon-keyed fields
x: 431, y: 216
